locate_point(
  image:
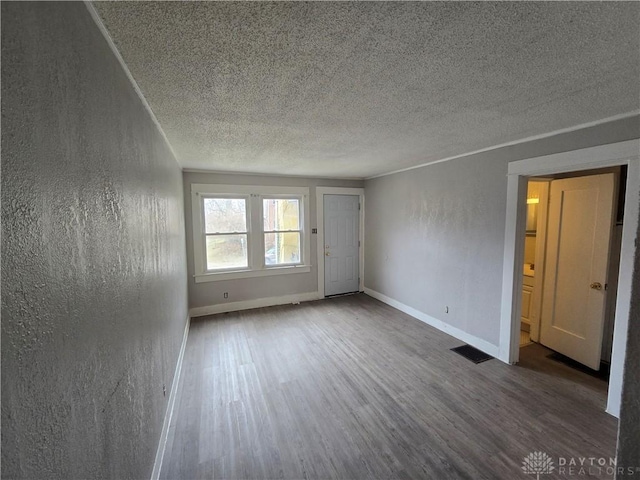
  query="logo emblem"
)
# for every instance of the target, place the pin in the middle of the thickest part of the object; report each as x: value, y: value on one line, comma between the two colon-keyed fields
x: 537, y: 463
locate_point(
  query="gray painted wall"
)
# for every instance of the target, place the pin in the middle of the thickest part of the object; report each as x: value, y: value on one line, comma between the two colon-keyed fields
x: 93, y: 254
x: 211, y: 293
x: 435, y: 235
x: 629, y: 425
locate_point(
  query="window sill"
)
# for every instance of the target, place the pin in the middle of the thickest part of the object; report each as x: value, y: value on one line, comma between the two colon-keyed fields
x: 266, y: 272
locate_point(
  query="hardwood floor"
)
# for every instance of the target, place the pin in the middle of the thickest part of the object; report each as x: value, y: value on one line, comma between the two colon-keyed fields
x: 351, y: 388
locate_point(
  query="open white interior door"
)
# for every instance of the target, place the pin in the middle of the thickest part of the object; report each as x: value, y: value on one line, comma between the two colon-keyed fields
x: 579, y: 232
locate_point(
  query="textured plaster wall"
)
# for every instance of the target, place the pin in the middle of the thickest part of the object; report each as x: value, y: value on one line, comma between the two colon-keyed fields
x: 435, y: 235
x: 211, y: 293
x: 93, y: 254
x: 629, y: 430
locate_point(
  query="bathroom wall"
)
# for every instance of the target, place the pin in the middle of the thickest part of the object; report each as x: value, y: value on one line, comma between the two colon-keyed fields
x: 533, y: 192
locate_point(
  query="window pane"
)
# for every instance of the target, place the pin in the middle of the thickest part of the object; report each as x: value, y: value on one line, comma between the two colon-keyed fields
x: 225, y: 215
x: 281, y: 248
x: 281, y: 214
x: 226, y: 251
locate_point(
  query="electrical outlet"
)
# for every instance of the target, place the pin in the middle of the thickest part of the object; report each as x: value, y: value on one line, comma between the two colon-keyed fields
x: 226, y: 294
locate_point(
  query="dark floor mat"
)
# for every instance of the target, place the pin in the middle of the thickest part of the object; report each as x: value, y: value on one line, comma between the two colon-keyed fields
x: 472, y: 353
x: 602, y: 374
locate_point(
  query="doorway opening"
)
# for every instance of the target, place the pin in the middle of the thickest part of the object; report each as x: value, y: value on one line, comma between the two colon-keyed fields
x: 340, y: 240
x: 605, y: 156
x: 341, y: 244
x: 573, y: 238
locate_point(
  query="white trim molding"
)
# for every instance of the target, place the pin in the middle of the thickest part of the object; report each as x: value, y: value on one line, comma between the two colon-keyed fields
x: 480, y: 344
x: 320, y: 193
x: 256, y: 303
x: 252, y: 194
x: 267, y: 174
x: 210, y: 188
x: 162, y: 444
x: 107, y: 36
x: 595, y: 123
x: 602, y: 156
x: 621, y: 153
x: 267, y: 272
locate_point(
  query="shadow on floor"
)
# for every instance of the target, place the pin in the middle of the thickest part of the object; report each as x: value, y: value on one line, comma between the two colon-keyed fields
x: 541, y: 359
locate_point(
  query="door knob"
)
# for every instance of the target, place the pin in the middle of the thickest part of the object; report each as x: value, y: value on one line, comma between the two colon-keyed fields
x: 327, y: 254
x: 596, y: 286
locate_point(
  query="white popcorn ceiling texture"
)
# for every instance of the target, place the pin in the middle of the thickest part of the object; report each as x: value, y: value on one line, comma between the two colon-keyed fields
x: 359, y: 89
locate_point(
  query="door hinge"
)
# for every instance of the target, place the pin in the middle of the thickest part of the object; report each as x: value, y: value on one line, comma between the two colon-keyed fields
x: 358, y: 206
x: 358, y: 242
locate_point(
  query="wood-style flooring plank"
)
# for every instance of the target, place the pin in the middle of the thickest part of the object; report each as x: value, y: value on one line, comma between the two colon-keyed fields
x: 351, y: 388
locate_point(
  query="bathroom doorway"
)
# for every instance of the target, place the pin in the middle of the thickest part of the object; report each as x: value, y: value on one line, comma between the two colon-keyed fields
x: 572, y: 248
x: 533, y: 269
x: 518, y: 174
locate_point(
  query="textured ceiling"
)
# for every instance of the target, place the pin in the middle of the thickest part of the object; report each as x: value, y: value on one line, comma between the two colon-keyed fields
x: 359, y: 89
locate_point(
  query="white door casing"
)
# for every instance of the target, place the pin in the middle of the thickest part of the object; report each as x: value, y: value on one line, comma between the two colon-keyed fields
x: 579, y: 233
x: 319, y: 204
x: 621, y: 153
x: 341, y: 244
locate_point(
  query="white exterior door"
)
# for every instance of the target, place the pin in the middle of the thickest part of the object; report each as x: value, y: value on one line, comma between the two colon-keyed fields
x: 341, y: 244
x: 580, y: 224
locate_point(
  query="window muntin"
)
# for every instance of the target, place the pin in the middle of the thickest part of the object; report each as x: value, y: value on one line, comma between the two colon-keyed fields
x: 245, y: 255
x: 226, y: 233
x: 281, y: 223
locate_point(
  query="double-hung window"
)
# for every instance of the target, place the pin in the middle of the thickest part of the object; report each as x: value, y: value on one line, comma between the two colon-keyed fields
x: 226, y: 233
x: 249, y: 231
x: 282, y: 231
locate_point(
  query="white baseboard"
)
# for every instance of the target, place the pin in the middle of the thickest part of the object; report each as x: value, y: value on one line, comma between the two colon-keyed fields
x: 157, y: 465
x: 465, y: 337
x: 256, y: 303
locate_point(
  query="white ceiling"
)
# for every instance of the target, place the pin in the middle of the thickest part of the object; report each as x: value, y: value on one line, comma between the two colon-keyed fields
x: 360, y: 89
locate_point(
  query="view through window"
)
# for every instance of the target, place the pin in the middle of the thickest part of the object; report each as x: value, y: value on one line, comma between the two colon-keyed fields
x: 226, y: 233
x: 281, y: 227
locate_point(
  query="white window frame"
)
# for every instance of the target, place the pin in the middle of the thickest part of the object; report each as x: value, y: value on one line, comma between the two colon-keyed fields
x: 301, y: 217
x: 248, y: 233
x: 255, y: 230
